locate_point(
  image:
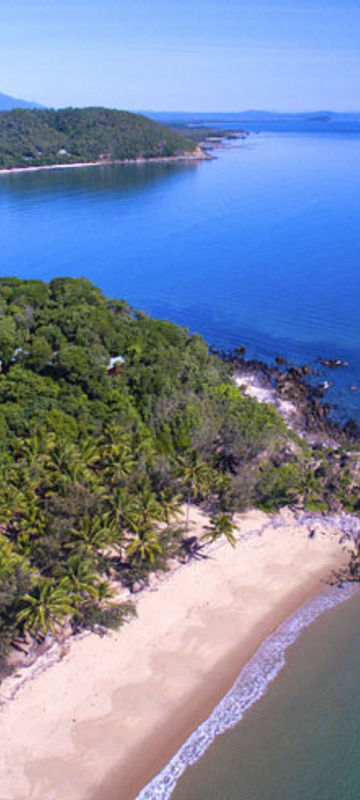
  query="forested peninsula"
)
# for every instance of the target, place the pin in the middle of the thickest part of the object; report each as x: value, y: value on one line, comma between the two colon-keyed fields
x: 45, y: 137
x: 110, y: 421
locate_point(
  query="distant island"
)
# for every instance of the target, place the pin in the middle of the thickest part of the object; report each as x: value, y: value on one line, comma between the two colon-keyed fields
x: 7, y: 102
x: 47, y: 137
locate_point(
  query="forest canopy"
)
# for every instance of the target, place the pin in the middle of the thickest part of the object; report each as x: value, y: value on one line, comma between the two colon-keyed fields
x: 35, y: 137
x: 109, y: 421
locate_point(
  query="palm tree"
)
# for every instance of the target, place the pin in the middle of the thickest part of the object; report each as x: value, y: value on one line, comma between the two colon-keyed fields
x: 89, y: 451
x: 119, y: 464
x: 9, y: 558
x: 221, y: 525
x: 124, y: 508
x: 80, y: 579
x: 12, y: 500
x: 92, y: 534
x: 30, y: 525
x: 104, y: 593
x: 35, y: 448
x: 195, y: 476
x: 144, y: 546
x: 45, y: 609
x: 170, y: 504
x: 149, y: 508
x: 66, y: 467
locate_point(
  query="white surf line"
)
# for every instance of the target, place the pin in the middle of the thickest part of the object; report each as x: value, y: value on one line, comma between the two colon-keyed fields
x: 249, y: 687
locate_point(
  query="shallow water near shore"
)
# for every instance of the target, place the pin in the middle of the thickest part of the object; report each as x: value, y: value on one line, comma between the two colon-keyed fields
x: 301, y: 741
x: 258, y: 247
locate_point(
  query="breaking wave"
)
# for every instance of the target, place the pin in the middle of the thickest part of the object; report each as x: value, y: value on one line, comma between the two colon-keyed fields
x: 251, y: 684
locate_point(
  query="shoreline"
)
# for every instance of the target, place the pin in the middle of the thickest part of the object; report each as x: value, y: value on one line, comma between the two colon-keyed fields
x: 126, y: 703
x: 197, y: 155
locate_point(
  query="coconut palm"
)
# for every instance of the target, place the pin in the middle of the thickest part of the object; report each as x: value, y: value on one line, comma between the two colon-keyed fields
x: 144, y: 546
x: 45, y: 609
x: 149, y: 507
x: 12, y: 500
x: 120, y: 463
x: 80, y: 579
x: 170, y: 504
x: 35, y: 448
x: 221, y: 525
x: 124, y: 508
x: 30, y: 525
x: 195, y: 477
x: 104, y: 593
x: 89, y: 451
x: 92, y: 534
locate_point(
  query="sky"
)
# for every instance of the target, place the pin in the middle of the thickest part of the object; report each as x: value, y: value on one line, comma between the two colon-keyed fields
x: 195, y: 55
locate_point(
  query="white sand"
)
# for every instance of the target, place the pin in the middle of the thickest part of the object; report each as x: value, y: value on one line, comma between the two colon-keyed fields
x: 101, y: 721
x: 196, y: 155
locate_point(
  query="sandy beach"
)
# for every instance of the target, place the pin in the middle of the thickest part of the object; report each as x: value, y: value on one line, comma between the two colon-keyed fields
x: 107, y: 716
x: 197, y: 155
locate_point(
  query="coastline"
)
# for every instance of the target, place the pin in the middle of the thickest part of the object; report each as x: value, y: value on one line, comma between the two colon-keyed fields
x: 126, y: 703
x: 197, y: 155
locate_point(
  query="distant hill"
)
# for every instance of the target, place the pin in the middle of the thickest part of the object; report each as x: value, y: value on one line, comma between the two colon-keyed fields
x: 262, y: 121
x: 7, y: 103
x: 170, y: 117
x: 70, y: 135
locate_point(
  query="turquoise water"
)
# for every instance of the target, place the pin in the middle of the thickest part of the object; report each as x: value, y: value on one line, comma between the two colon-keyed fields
x: 260, y: 246
x: 302, y: 741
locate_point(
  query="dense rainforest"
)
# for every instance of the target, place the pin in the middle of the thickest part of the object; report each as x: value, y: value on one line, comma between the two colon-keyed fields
x: 109, y: 421
x: 34, y: 137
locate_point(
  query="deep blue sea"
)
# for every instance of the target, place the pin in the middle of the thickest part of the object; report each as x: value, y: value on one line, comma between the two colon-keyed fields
x: 260, y: 246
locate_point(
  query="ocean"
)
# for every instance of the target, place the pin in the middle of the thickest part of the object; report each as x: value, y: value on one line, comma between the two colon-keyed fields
x: 258, y: 247
x: 302, y: 740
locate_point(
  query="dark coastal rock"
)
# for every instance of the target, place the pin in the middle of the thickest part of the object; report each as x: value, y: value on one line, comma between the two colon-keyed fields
x: 296, y: 372
x: 319, y: 390
x: 241, y: 350
x: 351, y: 429
x: 290, y: 382
x: 333, y: 363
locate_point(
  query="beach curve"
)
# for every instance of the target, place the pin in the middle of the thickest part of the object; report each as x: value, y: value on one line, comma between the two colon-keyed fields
x: 113, y: 712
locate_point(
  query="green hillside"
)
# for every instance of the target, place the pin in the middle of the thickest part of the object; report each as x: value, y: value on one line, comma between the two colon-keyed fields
x: 35, y: 137
x: 109, y: 421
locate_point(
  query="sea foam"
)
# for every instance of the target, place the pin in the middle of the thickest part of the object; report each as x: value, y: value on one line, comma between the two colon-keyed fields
x: 249, y: 687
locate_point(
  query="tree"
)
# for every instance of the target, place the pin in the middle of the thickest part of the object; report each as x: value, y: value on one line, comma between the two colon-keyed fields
x: 149, y: 507
x: 195, y: 477
x: 7, y: 339
x: 40, y: 354
x: 144, y: 546
x: 44, y: 609
x: 79, y: 578
x: 92, y: 534
x: 170, y: 504
x: 221, y: 525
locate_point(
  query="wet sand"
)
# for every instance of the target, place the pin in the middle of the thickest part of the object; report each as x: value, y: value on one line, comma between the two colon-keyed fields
x: 105, y: 718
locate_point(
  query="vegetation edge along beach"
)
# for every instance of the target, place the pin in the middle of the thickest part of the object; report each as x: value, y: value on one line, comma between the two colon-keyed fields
x: 71, y: 137
x: 126, y: 447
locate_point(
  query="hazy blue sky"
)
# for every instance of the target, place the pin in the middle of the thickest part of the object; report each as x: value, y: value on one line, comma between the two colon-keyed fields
x: 183, y: 54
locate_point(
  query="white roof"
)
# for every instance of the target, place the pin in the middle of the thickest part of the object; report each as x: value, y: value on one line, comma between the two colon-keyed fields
x: 116, y: 360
